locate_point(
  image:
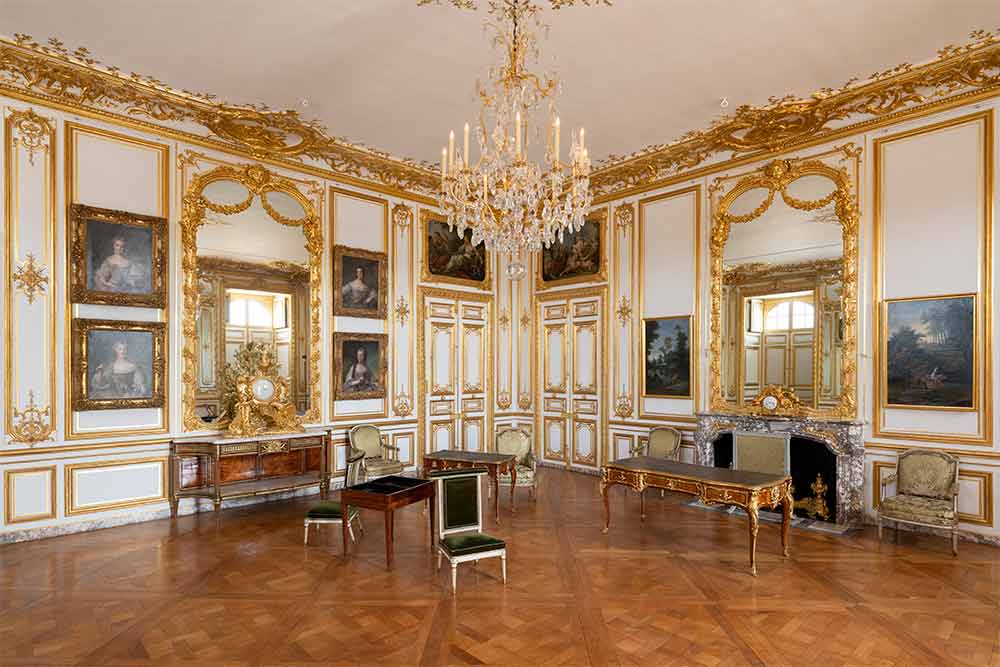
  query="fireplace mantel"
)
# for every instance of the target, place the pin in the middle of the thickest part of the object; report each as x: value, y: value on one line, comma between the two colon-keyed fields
x: 843, y: 438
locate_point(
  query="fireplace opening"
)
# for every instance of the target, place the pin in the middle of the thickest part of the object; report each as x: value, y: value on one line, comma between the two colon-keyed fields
x: 813, y: 468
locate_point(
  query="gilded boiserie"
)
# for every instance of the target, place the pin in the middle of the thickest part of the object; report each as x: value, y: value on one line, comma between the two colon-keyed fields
x: 258, y: 181
x: 789, y: 121
x: 775, y: 177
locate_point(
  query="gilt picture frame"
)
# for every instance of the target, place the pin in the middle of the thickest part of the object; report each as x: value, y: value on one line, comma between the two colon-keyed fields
x: 930, y: 352
x: 361, y: 285
x: 118, y: 364
x: 360, y: 364
x: 117, y: 258
x: 581, y: 256
x: 668, y: 357
x: 449, y: 258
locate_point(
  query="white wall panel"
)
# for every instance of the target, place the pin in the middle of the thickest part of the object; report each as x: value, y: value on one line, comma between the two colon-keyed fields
x: 359, y: 221
x: 932, y: 212
x: 113, y: 485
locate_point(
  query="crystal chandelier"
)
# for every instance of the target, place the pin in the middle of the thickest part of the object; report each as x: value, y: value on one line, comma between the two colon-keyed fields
x: 511, y: 203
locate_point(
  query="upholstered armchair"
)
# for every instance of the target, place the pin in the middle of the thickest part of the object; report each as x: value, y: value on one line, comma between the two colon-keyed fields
x: 664, y: 443
x: 926, y: 492
x: 518, y: 442
x: 381, y: 458
x: 330, y: 511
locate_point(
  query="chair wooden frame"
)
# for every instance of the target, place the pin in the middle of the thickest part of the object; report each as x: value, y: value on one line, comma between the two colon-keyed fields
x: 441, y: 479
x: 638, y: 448
x: 389, y: 452
x: 533, y: 486
x: 354, y: 463
x: 893, y: 477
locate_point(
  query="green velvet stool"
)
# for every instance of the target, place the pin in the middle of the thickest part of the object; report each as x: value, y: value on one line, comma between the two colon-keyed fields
x: 460, y: 508
x: 329, y: 511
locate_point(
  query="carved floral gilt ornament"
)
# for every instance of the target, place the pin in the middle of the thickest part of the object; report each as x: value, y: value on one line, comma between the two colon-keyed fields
x: 31, y: 425
x: 30, y: 278
x: 623, y: 405
x: 31, y: 131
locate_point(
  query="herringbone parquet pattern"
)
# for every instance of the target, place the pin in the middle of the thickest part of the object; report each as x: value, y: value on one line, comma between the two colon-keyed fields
x: 240, y: 589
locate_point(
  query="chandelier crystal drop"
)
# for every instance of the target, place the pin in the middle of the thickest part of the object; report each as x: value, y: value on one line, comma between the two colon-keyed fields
x: 510, y: 202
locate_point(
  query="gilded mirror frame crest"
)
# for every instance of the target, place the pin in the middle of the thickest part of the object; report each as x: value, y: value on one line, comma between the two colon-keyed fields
x: 258, y: 181
x: 775, y: 177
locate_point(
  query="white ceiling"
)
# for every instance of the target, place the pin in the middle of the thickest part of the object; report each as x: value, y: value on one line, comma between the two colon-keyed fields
x: 397, y: 77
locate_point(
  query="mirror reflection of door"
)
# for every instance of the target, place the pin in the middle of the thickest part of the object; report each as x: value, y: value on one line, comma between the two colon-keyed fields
x: 781, y: 309
x: 253, y: 283
x: 779, y: 344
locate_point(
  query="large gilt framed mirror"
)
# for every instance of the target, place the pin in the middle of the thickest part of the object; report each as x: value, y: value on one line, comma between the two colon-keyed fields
x: 783, y: 272
x: 252, y: 250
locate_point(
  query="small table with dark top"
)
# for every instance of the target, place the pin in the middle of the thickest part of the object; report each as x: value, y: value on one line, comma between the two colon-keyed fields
x: 387, y: 494
x: 749, y: 490
x: 496, y: 464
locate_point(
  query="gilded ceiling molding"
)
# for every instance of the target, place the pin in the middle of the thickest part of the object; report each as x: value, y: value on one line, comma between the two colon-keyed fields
x: 77, y: 79
x: 788, y: 121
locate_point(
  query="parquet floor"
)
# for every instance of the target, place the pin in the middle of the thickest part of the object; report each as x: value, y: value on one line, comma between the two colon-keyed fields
x: 241, y: 589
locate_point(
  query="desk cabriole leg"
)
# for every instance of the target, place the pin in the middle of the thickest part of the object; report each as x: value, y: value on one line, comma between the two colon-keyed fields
x: 786, y: 520
x: 607, y: 507
x: 513, y: 483
x: 754, y: 524
x: 496, y: 493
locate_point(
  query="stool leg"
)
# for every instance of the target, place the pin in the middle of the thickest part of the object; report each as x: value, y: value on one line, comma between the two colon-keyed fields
x: 454, y: 578
x: 503, y: 567
x: 306, y: 541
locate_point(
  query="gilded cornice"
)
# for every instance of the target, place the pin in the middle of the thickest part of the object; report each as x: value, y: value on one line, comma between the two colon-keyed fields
x: 788, y: 121
x: 76, y: 79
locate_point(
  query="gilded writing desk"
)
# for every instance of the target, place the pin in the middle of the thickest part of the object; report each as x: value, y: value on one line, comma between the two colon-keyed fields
x: 495, y: 463
x: 749, y: 490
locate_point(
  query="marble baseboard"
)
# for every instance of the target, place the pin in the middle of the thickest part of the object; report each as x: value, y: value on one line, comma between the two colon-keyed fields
x: 150, y: 512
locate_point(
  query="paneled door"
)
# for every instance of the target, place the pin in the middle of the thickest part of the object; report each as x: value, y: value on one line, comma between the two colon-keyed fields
x: 571, y: 360
x: 457, y: 367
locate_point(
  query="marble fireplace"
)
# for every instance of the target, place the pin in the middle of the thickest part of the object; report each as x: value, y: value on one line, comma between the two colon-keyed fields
x: 842, y: 438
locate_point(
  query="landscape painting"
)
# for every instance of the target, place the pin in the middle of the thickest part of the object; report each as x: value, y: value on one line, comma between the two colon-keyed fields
x: 930, y: 352
x: 578, y: 256
x: 667, y: 350
x: 453, y: 258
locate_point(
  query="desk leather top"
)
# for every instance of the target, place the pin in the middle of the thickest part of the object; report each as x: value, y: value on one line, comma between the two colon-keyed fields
x: 470, y: 457
x: 740, y: 478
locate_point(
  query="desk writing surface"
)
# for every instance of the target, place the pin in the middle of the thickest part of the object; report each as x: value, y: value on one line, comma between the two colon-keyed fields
x: 389, y: 485
x: 740, y: 478
x: 471, y: 457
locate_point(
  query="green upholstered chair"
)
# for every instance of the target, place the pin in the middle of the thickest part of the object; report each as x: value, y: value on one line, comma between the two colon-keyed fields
x: 663, y: 443
x: 381, y: 458
x: 517, y: 441
x: 926, y: 492
x: 460, y: 512
x: 329, y: 511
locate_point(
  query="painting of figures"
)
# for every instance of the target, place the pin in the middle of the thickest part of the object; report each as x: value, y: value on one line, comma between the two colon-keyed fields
x: 453, y: 258
x: 667, y: 346
x: 930, y: 352
x: 578, y: 257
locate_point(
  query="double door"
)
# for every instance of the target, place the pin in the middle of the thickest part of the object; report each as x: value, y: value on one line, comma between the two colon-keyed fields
x: 456, y: 388
x: 571, y: 360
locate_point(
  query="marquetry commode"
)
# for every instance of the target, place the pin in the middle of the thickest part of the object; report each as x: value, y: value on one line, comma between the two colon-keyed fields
x: 221, y: 468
